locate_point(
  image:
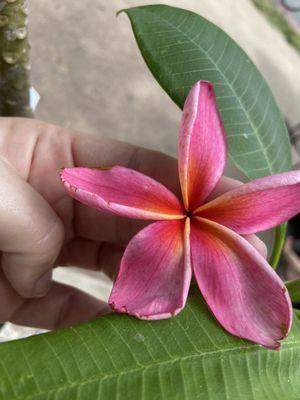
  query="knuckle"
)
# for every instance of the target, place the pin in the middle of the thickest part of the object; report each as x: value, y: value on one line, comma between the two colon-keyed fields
x: 62, y: 317
x: 51, y: 239
x: 25, y: 291
x: 134, y: 160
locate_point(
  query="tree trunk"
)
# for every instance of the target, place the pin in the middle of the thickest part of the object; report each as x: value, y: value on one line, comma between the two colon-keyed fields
x: 14, y: 59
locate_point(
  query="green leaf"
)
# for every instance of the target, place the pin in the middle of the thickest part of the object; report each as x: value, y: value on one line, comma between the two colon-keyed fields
x: 181, y: 47
x: 294, y: 290
x: 119, y: 357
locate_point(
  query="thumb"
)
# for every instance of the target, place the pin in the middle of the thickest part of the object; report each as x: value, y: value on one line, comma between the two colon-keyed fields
x: 31, y: 234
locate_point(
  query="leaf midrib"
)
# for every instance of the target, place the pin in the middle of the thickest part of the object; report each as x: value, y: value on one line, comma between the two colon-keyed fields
x: 269, y: 164
x: 144, y: 367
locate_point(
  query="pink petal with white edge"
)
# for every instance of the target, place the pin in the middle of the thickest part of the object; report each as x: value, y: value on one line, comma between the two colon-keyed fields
x: 122, y: 191
x: 244, y: 293
x: 258, y: 205
x: 202, y: 145
x: 155, y: 272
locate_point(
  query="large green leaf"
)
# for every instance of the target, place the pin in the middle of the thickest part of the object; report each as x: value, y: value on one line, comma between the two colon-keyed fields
x: 180, y: 47
x: 119, y: 357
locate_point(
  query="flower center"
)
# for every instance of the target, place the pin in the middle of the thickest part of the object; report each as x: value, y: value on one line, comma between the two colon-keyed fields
x: 189, y: 214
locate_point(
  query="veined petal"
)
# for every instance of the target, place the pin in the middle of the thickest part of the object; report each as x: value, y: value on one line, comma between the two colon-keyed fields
x: 202, y: 145
x: 155, y: 272
x: 258, y: 205
x: 244, y: 293
x: 122, y: 191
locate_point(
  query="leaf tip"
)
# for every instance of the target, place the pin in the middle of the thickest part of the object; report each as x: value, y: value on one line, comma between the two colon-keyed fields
x: 121, y: 11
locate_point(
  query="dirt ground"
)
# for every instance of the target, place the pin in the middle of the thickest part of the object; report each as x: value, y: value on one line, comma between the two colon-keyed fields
x: 91, y: 77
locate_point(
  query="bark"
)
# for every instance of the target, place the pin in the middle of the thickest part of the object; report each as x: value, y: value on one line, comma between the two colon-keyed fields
x: 14, y: 59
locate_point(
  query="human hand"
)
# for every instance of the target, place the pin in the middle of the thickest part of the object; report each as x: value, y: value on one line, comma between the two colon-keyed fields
x: 41, y: 227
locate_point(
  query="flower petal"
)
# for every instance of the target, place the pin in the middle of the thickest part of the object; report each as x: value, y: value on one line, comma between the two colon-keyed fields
x: 155, y: 272
x: 202, y: 145
x: 258, y: 205
x: 245, y: 294
x: 122, y: 191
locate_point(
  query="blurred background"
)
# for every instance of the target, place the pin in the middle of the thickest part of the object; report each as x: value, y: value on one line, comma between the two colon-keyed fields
x: 91, y: 77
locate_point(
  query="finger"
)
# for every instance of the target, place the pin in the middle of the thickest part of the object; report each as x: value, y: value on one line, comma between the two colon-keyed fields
x: 62, y: 306
x: 288, y: 245
x: 30, y: 235
x: 84, y: 253
x: 69, y: 148
x: 97, y: 225
x: 104, y: 227
x: 88, y: 150
x: 224, y: 185
x: 258, y: 244
x: 92, y: 151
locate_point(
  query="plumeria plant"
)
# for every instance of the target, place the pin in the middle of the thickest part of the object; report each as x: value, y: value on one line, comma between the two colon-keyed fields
x: 197, y: 234
x: 198, y: 308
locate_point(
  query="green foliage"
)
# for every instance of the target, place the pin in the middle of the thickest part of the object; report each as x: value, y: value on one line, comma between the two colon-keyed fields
x: 279, y: 21
x: 118, y: 357
x: 294, y: 290
x: 181, y: 47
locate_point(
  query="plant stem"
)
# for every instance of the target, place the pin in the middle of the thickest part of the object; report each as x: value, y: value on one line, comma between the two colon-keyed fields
x: 14, y: 59
x: 280, y: 233
x: 280, y: 21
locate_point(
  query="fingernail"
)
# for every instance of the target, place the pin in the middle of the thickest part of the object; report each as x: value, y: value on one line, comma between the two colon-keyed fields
x: 43, y: 284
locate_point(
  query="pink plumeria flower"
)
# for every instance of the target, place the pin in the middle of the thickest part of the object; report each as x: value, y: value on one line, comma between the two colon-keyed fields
x: 240, y: 287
